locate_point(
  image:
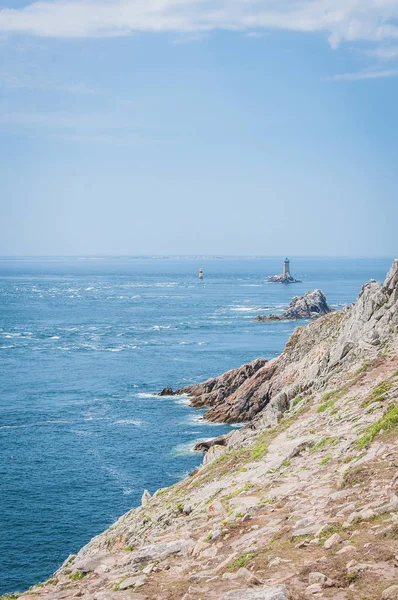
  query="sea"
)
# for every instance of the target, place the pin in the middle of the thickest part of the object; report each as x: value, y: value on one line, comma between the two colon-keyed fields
x: 85, y: 344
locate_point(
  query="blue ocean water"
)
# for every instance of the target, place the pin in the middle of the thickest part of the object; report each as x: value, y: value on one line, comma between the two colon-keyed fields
x: 84, y: 343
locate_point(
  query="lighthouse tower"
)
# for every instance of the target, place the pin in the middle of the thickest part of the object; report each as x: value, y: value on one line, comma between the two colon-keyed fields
x: 286, y: 268
x: 200, y: 273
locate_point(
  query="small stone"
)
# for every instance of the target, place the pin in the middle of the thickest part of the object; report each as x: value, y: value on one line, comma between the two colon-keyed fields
x: 391, y: 593
x: 316, y: 577
x: 230, y: 576
x: 199, y: 547
x: 149, y: 568
x: 127, y: 583
x: 332, y: 541
x: 315, y: 588
x: 394, y: 503
x: 248, y: 576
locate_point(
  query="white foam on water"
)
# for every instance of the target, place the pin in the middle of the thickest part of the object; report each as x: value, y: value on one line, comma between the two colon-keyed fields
x: 136, y: 422
x: 187, y: 448
x: 183, y: 399
x: 147, y: 395
x: 200, y: 420
x: 246, y: 308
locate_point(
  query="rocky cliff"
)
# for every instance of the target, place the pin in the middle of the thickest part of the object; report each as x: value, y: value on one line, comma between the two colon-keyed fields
x: 310, y: 306
x: 301, y: 503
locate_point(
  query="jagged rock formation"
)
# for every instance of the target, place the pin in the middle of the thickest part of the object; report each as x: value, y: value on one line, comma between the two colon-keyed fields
x: 312, y: 355
x: 282, y: 278
x: 301, y: 504
x: 310, y: 306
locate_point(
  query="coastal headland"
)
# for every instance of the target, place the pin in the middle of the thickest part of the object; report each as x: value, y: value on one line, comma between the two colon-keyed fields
x: 301, y: 502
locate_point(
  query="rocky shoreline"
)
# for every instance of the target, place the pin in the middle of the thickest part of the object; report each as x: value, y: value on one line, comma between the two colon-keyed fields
x: 300, y: 504
x: 310, y: 306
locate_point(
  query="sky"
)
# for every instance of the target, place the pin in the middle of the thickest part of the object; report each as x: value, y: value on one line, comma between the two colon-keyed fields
x: 259, y: 127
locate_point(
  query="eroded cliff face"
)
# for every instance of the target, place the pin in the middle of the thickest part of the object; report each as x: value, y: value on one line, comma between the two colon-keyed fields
x: 313, y: 355
x: 301, y: 503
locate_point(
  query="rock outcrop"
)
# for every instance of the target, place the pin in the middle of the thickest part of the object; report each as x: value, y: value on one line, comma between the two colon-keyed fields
x: 301, y: 503
x: 312, y: 357
x: 282, y: 278
x: 310, y: 306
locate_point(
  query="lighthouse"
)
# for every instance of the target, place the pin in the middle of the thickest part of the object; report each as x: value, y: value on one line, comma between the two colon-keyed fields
x: 286, y: 268
x: 200, y: 273
x: 285, y: 277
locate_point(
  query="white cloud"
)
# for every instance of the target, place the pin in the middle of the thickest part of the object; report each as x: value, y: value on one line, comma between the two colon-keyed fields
x: 340, y: 20
x: 362, y: 75
x: 384, y: 52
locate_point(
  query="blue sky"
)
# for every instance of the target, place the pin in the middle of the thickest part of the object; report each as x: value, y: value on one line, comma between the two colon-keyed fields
x: 199, y: 127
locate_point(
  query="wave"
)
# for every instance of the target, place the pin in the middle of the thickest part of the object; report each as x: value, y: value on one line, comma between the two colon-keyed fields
x: 248, y: 308
x: 187, y: 448
x: 136, y: 422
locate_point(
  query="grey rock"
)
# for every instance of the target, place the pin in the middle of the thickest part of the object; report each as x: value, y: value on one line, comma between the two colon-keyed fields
x: 310, y: 306
x: 391, y: 593
x: 163, y: 550
x: 146, y: 496
x: 278, y: 592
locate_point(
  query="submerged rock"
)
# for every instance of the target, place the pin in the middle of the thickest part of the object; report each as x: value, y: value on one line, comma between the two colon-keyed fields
x: 310, y: 306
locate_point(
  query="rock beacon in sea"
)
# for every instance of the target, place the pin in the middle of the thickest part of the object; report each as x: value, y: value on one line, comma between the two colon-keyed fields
x: 285, y: 277
x: 310, y: 306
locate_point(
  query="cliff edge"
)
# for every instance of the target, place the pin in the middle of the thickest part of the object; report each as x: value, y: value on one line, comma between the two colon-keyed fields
x: 301, y: 503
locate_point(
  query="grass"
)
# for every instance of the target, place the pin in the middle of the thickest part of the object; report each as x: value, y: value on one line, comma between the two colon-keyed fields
x: 77, y: 575
x: 245, y: 488
x: 297, y: 400
x: 364, y: 368
x: 378, y: 393
x: 260, y: 447
x: 386, y: 423
x: 242, y: 561
x: 395, y: 374
x: 326, y: 460
x: 329, y: 400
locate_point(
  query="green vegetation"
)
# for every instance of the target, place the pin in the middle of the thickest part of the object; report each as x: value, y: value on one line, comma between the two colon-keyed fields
x: 395, y: 374
x: 326, y: 460
x: 378, y: 393
x: 77, y: 575
x: 8, y: 597
x: 364, y: 368
x: 242, y: 561
x: 389, y: 421
x: 297, y: 400
x: 260, y: 447
x: 329, y: 399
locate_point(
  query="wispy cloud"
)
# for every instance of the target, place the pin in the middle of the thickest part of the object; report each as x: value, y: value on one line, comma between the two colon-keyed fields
x: 339, y: 19
x: 25, y: 81
x: 362, y: 75
x: 87, y: 128
x: 384, y: 52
